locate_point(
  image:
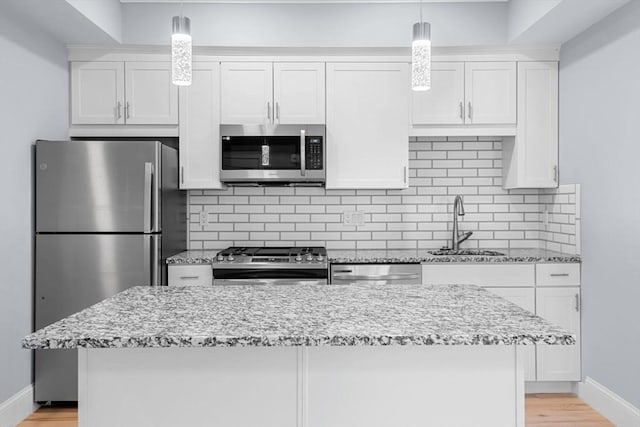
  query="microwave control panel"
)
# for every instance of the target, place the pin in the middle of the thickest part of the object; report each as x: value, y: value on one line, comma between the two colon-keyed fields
x: 314, y: 153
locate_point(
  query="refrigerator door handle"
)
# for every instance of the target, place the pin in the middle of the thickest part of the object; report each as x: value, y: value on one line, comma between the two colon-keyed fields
x: 146, y: 198
x: 155, y: 261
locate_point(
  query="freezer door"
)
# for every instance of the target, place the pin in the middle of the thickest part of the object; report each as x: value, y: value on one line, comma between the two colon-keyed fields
x: 74, y: 271
x: 98, y: 186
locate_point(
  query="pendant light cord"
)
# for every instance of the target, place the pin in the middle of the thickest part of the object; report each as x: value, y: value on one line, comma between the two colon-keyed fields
x: 421, y: 11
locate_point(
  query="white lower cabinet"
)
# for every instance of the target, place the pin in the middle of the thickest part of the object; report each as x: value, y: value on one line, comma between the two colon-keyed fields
x: 190, y: 275
x: 561, y: 306
x: 526, y: 299
x: 550, y: 290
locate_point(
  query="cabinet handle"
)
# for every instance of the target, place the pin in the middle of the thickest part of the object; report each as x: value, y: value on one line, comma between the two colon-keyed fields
x: 578, y: 302
x: 277, y: 112
x: 127, y: 107
x: 189, y: 277
x: 555, y: 174
x: 469, y: 112
x: 405, y: 174
x: 559, y: 274
x: 461, y: 111
x: 119, y: 110
x: 303, y: 155
x: 268, y: 112
x: 182, y: 174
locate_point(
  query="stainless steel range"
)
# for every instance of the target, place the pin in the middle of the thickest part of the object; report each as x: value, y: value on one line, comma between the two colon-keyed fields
x: 271, y: 265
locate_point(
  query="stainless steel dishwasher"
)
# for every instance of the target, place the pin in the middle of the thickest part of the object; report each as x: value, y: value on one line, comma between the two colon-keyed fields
x: 376, y: 274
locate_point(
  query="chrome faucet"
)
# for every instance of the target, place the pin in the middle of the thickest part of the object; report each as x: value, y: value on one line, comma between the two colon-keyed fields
x: 458, y: 210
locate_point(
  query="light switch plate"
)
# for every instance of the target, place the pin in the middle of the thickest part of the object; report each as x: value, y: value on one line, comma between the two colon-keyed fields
x: 204, y: 218
x: 353, y: 218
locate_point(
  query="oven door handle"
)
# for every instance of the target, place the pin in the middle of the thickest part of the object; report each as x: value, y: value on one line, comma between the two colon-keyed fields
x: 303, y: 156
x: 264, y: 282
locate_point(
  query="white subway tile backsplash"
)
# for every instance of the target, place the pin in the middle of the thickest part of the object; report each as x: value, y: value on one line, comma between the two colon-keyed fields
x: 417, y: 217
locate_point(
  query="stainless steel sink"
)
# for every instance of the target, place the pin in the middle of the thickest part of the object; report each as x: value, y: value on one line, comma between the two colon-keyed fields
x: 467, y: 252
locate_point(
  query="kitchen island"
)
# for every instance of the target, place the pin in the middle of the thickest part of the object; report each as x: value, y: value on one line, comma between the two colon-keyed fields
x: 304, y: 356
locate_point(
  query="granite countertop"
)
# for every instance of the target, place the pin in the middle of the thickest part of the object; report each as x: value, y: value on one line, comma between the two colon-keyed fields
x: 310, y: 315
x: 388, y: 256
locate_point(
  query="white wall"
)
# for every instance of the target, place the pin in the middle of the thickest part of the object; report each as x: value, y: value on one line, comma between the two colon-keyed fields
x: 600, y: 148
x: 33, y: 104
x: 318, y: 24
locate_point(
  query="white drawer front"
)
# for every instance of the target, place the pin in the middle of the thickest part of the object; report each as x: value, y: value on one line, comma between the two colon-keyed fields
x: 559, y: 274
x: 479, y: 274
x: 190, y: 275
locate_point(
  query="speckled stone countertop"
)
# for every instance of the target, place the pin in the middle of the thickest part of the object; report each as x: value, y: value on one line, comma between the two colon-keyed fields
x: 310, y: 315
x: 389, y: 256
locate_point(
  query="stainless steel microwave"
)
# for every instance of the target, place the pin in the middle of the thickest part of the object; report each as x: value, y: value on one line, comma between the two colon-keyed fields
x: 276, y: 154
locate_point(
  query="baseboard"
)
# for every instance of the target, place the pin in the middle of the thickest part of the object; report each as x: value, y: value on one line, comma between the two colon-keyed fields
x: 550, y: 387
x: 17, y: 407
x: 610, y: 405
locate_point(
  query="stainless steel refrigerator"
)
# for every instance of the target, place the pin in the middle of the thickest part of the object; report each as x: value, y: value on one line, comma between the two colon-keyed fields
x: 108, y: 214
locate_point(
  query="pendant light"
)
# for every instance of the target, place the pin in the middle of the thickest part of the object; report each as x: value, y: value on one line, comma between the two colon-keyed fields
x: 421, y: 55
x: 181, y: 50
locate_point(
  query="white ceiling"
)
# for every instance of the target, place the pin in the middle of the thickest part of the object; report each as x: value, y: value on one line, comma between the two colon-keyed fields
x: 312, y: 1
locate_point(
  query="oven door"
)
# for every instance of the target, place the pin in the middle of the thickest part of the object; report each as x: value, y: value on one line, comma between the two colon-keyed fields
x: 269, y: 276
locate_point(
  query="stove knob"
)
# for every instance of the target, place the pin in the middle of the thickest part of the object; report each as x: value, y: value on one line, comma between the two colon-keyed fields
x: 320, y: 258
x: 309, y: 258
x: 230, y: 258
x: 220, y: 257
x: 298, y: 258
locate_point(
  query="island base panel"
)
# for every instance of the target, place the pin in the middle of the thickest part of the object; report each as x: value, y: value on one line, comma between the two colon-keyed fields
x: 342, y: 386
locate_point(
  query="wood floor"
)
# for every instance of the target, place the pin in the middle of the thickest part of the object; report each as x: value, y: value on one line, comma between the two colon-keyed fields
x: 544, y: 410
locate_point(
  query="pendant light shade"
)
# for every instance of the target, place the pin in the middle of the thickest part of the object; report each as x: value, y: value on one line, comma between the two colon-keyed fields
x: 181, y: 51
x: 421, y: 57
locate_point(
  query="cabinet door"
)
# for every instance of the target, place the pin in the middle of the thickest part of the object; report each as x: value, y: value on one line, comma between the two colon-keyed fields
x: 200, y: 128
x: 562, y: 307
x: 531, y: 160
x: 97, y: 93
x: 151, y: 99
x: 444, y: 102
x: 190, y: 275
x: 524, y: 298
x: 247, y: 95
x: 298, y: 92
x: 367, y: 125
x: 490, y: 92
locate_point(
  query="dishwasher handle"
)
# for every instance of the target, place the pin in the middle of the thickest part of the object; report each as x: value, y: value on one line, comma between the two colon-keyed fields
x: 398, y: 276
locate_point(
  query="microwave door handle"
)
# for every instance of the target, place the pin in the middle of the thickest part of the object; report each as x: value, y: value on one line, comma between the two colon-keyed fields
x: 303, y: 160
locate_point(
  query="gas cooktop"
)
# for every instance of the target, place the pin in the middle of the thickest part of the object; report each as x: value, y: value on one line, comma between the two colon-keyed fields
x: 282, y: 255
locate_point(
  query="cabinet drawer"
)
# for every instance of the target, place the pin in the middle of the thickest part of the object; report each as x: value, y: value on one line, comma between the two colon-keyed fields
x: 190, y: 275
x: 558, y: 274
x: 479, y: 274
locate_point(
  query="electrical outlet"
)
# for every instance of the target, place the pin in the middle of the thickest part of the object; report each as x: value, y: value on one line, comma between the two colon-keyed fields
x: 545, y: 218
x: 353, y: 218
x: 204, y: 218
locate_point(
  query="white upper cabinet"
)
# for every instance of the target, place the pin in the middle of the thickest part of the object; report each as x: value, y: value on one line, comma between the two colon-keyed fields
x: 273, y: 93
x: 530, y: 160
x: 299, y: 93
x: 490, y: 92
x: 367, y: 132
x: 138, y: 93
x: 247, y: 94
x: 560, y: 306
x: 444, y: 102
x: 151, y: 98
x: 469, y: 93
x: 200, y: 129
x: 97, y: 92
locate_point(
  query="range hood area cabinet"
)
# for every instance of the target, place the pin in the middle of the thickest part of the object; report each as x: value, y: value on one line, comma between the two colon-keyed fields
x: 200, y: 129
x: 263, y: 93
x: 367, y: 132
x: 123, y: 93
x: 530, y: 159
x: 467, y: 93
